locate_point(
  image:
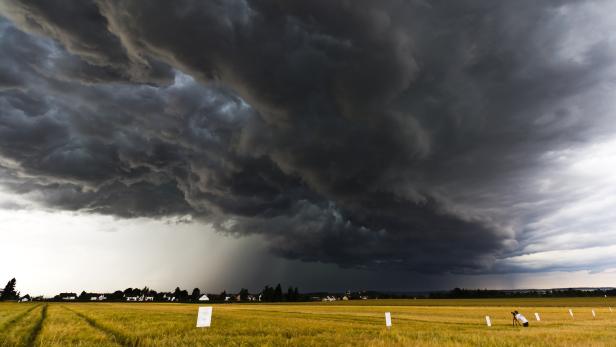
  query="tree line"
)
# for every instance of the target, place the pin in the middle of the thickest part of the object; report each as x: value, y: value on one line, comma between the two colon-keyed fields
x: 268, y: 294
x: 459, y: 293
x: 292, y: 294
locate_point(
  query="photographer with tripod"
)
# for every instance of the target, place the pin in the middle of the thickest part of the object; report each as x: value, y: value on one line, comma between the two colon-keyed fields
x: 519, y: 319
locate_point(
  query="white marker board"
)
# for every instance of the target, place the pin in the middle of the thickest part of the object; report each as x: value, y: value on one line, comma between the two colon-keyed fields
x: 537, y: 316
x: 593, y: 313
x: 488, y: 321
x: 571, y: 313
x: 204, y: 318
x: 610, y: 309
x: 388, y: 319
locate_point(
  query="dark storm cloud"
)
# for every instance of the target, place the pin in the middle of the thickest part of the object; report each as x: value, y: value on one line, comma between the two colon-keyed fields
x: 390, y: 134
x: 81, y: 28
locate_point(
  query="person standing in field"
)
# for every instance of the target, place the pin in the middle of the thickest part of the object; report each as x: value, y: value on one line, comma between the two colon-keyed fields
x: 520, y: 319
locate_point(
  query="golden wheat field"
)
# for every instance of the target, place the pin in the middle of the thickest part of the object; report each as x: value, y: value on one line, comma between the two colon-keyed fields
x: 351, y: 323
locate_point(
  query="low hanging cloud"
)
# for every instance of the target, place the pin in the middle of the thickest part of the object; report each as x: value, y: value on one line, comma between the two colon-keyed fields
x: 410, y: 135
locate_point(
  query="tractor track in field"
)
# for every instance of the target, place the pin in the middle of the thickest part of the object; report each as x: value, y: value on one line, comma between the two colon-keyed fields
x: 18, y: 317
x: 117, y: 336
x: 36, y: 329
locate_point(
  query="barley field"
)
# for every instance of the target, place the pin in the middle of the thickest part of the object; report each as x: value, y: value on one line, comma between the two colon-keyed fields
x: 350, y: 323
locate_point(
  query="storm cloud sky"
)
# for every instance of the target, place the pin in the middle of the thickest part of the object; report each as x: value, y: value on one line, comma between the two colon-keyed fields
x: 435, y: 137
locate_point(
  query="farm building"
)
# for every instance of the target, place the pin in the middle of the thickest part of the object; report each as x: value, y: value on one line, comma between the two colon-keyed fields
x: 68, y: 296
x: 98, y: 297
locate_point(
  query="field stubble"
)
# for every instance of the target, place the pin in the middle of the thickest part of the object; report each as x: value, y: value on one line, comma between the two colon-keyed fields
x: 352, y: 323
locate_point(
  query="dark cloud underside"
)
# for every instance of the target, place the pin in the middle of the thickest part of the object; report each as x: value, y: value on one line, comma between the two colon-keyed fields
x: 389, y: 134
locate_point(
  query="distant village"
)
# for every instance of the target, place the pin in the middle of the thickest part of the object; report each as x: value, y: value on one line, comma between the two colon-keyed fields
x: 268, y: 294
x: 145, y: 295
x: 292, y: 294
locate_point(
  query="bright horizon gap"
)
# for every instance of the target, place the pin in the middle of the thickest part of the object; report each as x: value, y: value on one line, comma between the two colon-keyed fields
x: 68, y: 228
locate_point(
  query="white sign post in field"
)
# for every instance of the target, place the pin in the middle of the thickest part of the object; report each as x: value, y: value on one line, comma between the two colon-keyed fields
x: 204, y: 318
x: 571, y: 313
x: 593, y: 313
x: 388, y: 320
x: 488, y: 321
x: 537, y: 316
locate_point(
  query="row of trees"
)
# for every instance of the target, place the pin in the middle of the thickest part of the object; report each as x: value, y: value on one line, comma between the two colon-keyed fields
x: 120, y: 295
x: 269, y: 294
x: 276, y: 294
x: 458, y: 293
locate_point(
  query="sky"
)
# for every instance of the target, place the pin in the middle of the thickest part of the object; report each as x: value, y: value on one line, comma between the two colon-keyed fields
x: 392, y: 145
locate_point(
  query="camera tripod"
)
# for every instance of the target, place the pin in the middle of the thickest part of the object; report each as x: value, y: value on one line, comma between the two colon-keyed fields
x: 514, y: 320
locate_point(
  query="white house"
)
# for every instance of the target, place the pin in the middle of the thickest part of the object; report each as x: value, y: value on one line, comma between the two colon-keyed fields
x: 345, y: 298
x: 149, y: 298
x: 93, y: 298
x: 204, y: 297
x: 132, y: 298
x: 227, y: 298
x: 102, y: 297
x: 24, y: 299
x: 69, y: 298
